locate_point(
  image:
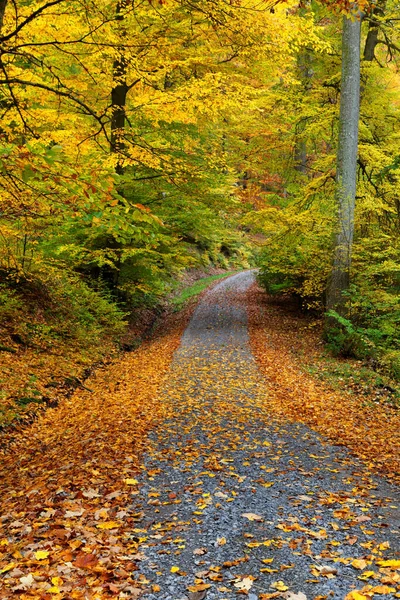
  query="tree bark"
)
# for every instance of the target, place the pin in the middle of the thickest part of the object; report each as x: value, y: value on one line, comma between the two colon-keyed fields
x: 346, y: 168
x: 373, y: 31
x: 118, y: 94
x: 304, y: 68
x: 3, y: 6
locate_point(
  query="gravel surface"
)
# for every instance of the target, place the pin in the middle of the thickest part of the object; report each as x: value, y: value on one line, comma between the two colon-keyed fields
x: 311, y: 508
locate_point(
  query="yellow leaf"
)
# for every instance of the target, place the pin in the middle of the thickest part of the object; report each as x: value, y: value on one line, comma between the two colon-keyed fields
x: 174, y: 569
x: 57, y: 582
x: 8, y: 567
x: 382, y: 589
x: 394, y: 564
x: 131, y: 481
x: 221, y: 541
x: 366, y: 575
x: 354, y: 595
x: 279, y: 585
x: 268, y: 570
x: 40, y: 554
x: 253, y: 544
x: 108, y: 525
x: 199, y: 588
x: 359, y: 563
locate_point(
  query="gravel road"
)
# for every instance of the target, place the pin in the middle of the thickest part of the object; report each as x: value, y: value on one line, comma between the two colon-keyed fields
x: 237, y: 503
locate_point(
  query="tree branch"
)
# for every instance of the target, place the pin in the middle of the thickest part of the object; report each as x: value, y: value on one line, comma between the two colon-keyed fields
x: 31, y: 17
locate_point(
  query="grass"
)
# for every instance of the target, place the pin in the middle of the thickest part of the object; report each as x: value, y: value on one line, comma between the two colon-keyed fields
x: 357, y: 378
x: 187, y: 294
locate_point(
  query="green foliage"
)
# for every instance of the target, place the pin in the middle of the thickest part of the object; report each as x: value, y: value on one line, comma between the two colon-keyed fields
x: 55, y: 306
x: 344, y: 338
x: 296, y: 255
x: 358, y: 378
x: 298, y: 219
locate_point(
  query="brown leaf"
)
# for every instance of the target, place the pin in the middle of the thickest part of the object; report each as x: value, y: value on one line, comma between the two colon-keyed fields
x: 200, y: 551
x: 252, y: 517
x: 85, y: 561
x: 197, y: 595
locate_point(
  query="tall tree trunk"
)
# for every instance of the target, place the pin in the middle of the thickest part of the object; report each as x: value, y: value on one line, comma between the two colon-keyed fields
x: 119, y: 93
x: 346, y: 168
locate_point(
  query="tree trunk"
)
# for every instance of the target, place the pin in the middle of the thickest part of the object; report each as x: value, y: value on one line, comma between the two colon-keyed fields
x: 373, y: 31
x: 3, y: 6
x: 346, y: 168
x: 118, y: 94
x: 300, y: 157
x: 305, y: 71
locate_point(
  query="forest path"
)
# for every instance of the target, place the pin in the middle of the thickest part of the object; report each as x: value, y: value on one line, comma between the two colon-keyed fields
x: 232, y: 501
x: 224, y: 498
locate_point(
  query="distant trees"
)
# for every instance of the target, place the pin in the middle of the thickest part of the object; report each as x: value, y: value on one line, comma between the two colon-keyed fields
x: 332, y: 228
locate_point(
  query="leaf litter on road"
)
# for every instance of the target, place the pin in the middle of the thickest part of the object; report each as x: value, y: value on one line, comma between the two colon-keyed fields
x: 172, y: 525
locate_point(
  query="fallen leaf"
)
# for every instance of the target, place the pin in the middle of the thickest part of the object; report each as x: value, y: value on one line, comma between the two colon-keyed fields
x: 279, y: 585
x: 244, y: 584
x: 70, y: 514
x: 201, y: 587
x: 8, y: 567
x: 382, y: 589
x: 108, y: 525
x: 355, y: 595
x: 362, y: 519
x: 221, y: 541
x: 85, y: 561
x: 200, y: 551
x: 252, y: 517
x: 325, y: 570
x: 27, y: 581
x: 91, y: 494
x: 197, y: 595
x: 393, y: 564
x: 367, y: 575
x: 175, y: 569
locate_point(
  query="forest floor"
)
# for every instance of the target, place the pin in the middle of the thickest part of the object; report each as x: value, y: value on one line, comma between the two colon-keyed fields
x: 189, y: 470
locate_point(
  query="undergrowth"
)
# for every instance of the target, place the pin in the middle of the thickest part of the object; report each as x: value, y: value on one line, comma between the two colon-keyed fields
x: 54, y: 327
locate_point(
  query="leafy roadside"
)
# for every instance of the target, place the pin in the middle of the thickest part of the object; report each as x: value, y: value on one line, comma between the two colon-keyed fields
x: 191, y: 293
x: 81, y: 533
x: 341, y: 399
x: 49, y: 346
